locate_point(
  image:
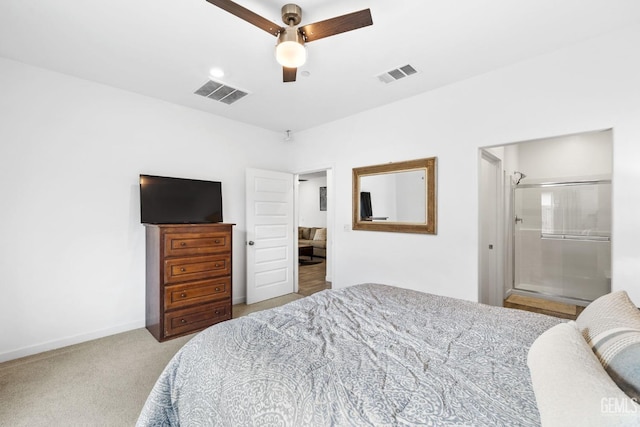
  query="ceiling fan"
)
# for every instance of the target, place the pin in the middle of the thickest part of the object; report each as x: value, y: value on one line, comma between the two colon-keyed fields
x: 290, y: 51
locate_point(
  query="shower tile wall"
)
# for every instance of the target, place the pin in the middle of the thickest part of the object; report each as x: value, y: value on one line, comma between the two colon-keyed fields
x: 562, y: 243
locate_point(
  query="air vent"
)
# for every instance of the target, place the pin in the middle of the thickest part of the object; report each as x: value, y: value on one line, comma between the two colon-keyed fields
x: 397, y: 74
x: 220, y: 92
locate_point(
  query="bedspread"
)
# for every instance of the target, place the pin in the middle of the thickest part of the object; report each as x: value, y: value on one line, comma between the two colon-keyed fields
x: 370, y: 355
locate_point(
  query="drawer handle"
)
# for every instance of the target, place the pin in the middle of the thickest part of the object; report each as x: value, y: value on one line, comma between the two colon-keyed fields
x: 217, y: 289
x: 183, y: 321
x: 183, y: 269
x: 217, y: 240
x: 217, y: 265
x: 183, y: 244
x: 217, y: 312
x: 183, y: 295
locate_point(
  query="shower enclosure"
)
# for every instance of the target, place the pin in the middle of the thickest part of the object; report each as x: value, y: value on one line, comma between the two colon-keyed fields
x: 562, y: 240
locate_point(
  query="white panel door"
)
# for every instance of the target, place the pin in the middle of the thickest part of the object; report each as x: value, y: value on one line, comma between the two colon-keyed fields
x: 270, y: 237
x: 490, y: 286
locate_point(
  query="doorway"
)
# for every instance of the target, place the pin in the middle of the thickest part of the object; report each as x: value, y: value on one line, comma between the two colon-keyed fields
x: 556, y: 214
x: 314, y: 207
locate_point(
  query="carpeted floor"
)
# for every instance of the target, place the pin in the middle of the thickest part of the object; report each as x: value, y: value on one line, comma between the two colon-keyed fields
x: 104, y: 382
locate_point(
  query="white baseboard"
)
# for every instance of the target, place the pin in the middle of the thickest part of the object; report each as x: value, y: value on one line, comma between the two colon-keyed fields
x: 238, y: 300
x: 64, y: 342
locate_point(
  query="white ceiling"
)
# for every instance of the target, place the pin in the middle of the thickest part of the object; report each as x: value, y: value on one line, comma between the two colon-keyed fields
x: 165, y: 48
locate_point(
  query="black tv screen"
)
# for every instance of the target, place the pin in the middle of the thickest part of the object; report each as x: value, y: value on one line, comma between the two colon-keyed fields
x: 165, y: 200
x: 365, y: 205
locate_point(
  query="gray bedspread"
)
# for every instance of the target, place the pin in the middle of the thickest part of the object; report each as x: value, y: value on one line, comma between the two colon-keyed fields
x: 368, y: 355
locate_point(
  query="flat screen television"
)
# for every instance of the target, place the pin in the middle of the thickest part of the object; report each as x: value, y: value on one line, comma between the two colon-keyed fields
x: 365, y: 205
x: 166, y: 200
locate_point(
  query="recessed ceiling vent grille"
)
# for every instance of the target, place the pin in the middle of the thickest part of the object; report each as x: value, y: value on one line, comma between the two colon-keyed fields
x: 220, y: 92
x: 397, y: 74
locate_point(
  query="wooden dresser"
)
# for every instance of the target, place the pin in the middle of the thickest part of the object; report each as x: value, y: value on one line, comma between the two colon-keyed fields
x: 188, y: 277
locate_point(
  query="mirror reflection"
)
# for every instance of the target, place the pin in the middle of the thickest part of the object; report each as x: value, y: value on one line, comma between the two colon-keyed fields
x: 395, y: 197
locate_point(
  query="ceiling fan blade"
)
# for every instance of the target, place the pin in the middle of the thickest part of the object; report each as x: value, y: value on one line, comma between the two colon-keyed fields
x: 337, y: 25
x: 289, y: 74
x: 247, y: 15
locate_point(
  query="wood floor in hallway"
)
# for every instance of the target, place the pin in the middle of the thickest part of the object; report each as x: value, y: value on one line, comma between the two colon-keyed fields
x: 311, y: 278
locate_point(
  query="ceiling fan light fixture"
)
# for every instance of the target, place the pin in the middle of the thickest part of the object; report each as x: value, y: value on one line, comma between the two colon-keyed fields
x: 290, y: 50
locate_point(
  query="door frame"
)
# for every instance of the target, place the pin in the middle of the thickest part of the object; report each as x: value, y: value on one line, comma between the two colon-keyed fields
x: 498, y: 237
x: 330, y: 220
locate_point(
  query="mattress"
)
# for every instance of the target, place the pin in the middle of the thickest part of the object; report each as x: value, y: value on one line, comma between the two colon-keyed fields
x: 367, y: 355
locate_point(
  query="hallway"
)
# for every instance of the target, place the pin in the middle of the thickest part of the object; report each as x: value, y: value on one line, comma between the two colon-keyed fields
x: 311, y: 278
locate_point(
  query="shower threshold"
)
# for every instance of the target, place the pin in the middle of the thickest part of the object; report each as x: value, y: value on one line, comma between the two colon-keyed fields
x: 538, y: 303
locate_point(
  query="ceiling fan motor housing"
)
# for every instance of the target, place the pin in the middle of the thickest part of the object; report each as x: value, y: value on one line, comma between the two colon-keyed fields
x: 291, y: 14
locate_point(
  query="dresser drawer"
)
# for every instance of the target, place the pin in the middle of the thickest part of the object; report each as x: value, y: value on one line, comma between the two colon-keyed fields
x: 196, y: 268
x: 191, y: 319
x: 182, y: 244
x: 183, y: 295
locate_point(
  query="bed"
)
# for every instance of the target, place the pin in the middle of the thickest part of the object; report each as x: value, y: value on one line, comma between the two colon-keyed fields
x: 367, y: 355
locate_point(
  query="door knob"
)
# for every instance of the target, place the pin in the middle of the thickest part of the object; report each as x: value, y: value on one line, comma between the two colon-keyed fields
x: 251, y: 243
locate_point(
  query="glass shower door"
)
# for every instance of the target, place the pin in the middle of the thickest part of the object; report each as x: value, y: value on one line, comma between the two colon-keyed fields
x: 562, y: 239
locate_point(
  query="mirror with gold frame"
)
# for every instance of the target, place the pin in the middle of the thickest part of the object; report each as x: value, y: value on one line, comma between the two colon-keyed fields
x: 398, y: 197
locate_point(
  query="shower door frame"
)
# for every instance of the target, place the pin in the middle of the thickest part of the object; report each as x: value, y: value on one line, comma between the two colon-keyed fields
x: 514, y: 219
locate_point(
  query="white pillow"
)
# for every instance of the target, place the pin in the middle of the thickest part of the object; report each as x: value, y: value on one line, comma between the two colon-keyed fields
x: 571, y: 386
x: 611, y: 327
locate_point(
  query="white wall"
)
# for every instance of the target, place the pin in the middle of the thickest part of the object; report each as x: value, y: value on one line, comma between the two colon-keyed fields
x: 591, y: 86
x: 70, y: 152
x: 572, y: 156
x: 72, y: 253
x: 309, y: 203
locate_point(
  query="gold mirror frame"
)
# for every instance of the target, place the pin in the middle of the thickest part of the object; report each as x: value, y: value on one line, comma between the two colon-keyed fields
x: 428, y: 227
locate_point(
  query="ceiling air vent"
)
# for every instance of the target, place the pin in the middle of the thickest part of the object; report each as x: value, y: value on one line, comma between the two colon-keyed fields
x: 220, y: 92
x: 397, y: 74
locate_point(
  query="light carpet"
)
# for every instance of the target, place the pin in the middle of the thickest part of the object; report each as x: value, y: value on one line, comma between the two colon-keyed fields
x: 103, y: 382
